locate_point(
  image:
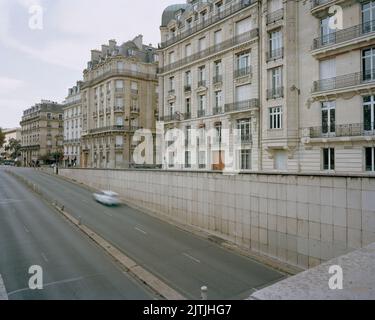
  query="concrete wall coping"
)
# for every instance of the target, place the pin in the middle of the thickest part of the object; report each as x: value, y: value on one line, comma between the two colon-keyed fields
x: 358, y: 280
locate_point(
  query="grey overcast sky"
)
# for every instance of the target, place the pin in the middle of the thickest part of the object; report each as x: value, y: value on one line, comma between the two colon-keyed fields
x: 42, y: 64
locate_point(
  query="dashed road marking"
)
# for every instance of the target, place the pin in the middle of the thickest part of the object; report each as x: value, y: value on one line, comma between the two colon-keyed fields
x: 45, y: 257
x: 191, y: 258
x: 140, y: 230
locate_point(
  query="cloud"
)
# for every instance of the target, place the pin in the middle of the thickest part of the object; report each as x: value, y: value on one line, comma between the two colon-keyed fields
x: 9, y: 84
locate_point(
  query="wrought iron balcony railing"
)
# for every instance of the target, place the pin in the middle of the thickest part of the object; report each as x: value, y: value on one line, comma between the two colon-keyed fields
x: 343, y: 130
x: 275, y: 54
x: 217, y: 78
x: 187, y: 88
x: 201, y: 83
x: 229, y: 10
x: 245, y: 37
x: 345, y: 81
x: 172, y: 92
x: 113, y: 129
x: 347, y: 34
x: 315, y: 3
x: 275, y: 16
x: 201, y: 113
x: 275, y: 93
x: 242, y: 105
x: 217, y: 110
x: 118, y: 109
x: 242, y: 72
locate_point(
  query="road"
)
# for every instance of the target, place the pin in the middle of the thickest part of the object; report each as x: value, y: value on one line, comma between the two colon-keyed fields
x: 31, y: 233
x: 184, y: 261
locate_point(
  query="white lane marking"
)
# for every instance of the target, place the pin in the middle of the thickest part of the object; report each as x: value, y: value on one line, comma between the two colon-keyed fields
x: 45, y: 257
x: 191, y: 258
x: 140, y: 230
x: 55, y: 283
x: 26, y: 230
x: 3, y: 291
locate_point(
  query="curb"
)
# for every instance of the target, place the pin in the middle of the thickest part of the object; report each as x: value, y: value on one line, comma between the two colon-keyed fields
x: 3, y: 292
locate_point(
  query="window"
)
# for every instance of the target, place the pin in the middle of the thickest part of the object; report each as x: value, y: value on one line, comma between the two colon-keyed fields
x: 276, y: 118
x: 171, y: 109
x: 327, y: 34
x: 119, y: 102
x: 245, y: 159
x: 202, y: 103
x: 202, y: 75
x: 202, y: 159
x: 276, y: 83
x: 217, y: 68
x: 368, y: 64
x: 218, y: 99
x: 219, y: 7
x: 188, y: 106
x: 171, y: 84
x: 202, y: 44
x: 243, y: 93
x: 368, y: 16
x: 328, y: 117
x: 218, y: 37
x: 370, y: 159
x: 188, y: 50
x: 119, y: 84
x: 369, y: 113
x: 187, y: 159
x: 276, y: 44
x: 120, y: 66
x: 243, y: 63
x: 244, y: 26
x: 328, y: 159
x: 134, y: 86
x: 281, y: 160
x: 188, y: 78
x: 171, y: 57
x: 189, y: 24
x: 119, y: 140
x: 244, y: 128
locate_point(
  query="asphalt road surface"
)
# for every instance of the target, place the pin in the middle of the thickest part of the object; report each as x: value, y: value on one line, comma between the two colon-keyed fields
x: 184, y: 261
x: 31, y: 233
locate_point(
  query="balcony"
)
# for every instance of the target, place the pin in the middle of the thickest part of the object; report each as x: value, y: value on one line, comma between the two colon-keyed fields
x: 119, y: 90
x: 172, y: 92
x: 134, y: 91
x: 275, y: 93
x: 246, y: 139
x: 108, y: 110
x: 240, y: 39
x: 101, y: 112
x: 119, y: 146
x: 345, y: 38
x: 228, y: 11
x: 242, y: 72
x: 95, y: 114
x: 134, y: 110
x: 202, y: 83
x: 186, y: 116
x: 187, y: 88
x: 343, y: 130
x: 113, y: 129
x: 217, y: 79
x: 275, y: 54
x: 242, y: 105
x: 345, y: 82
x: 117, y: 73
x: 217, y: 110
x: 201, y: 113
x: 118, y: 109
x: 275, y: 16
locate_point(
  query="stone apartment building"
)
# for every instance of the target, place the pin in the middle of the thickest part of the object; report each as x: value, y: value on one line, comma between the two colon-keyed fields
x: 42, y: 133
x: 119, y: 96
x: 299, y: 90
x: 209, y: 79
x: 73, y: 126
x: 14, y: 133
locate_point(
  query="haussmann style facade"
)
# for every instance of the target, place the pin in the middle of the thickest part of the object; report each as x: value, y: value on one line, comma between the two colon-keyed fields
x: 297, y: 85
x: 119, y: 96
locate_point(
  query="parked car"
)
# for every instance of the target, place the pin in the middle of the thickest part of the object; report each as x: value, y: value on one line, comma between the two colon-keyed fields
x: 107, y: 198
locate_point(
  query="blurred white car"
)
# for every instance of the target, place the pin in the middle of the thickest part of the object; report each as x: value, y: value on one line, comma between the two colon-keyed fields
x: 107, y: 198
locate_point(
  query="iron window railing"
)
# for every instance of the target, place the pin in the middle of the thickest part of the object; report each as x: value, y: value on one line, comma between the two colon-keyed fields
x: 242, y: 105
x: 245, y: 37
x: 201, y: 83
x: 348, y: 80
x: 275, y: 16
x: 343, y: 130
x: 217, y: 78
x: 344, y: 35
x: 315, y: 3
x: 242, y: 72
x: 231, y: 9
x: 275, y: 54
x: 275, y: 93
x: 201, y: 113
x: 217, y: 110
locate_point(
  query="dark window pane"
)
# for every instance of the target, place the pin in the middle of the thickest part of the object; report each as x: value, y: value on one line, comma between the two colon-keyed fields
x: 369, y: 159
x: 332, y: 159
x: 325, y: 159
x: 367, y: 117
